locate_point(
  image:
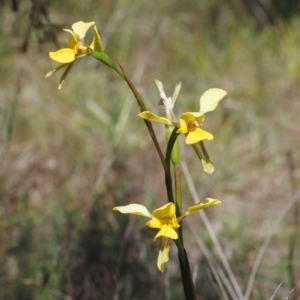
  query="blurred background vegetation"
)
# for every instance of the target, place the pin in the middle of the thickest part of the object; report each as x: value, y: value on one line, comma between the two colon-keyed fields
x: 67, y: 157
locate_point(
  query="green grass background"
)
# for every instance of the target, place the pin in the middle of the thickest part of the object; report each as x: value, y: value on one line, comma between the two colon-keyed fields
x: 67, y: 157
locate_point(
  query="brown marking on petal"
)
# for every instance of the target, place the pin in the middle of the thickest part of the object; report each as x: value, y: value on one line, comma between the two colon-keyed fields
x: 192, y: 125
x: 166, y: 220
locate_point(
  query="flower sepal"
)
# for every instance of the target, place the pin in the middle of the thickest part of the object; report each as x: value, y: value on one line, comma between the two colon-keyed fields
x: 210, y: 99
x: 148, y: 115
x: 208, y: 165
x: 204, y: 203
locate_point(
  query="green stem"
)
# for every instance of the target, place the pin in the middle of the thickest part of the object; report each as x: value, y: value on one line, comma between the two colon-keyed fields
x: 109, y: 62
x: 175, y: 159
x: 168, y: 178
x: 186, y: 276
x: 142, y: 106
x: 177, y: 177
x: 178, y: 199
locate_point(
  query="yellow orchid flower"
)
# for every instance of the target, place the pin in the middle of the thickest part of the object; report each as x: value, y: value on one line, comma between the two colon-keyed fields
x: 164, y: 219
x: 190, y: 122
x: 77, y: 48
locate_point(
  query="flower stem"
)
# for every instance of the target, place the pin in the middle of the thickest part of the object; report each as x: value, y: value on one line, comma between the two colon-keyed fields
x: 186, y: 276
x: 168, y: 178
x: 142, y: 106
x: 177, y: 178
x: 108, y: 61
x: 178, y: 198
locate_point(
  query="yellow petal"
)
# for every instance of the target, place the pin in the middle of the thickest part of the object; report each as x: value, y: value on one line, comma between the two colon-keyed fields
x: 162, y: 216
x: 183, y: 127
x: 163, y: 257
x: 96, y: 43
x: 72, y: 43
x: 63, y: 56
x: 204, y: 203
x: 167, y: 231
x: 154, y: 223
x: 160, y: 263
x: 186, y: 117
x: 210, y: 99
x: 160, y: 88
x: 207, y: 163
x: 208, y: 166
x: 166, y: 211
x: 176, y: 91
x: 197, y: 136
x: 81, y: 28
x: 148, y: 115
x: 135, y: 209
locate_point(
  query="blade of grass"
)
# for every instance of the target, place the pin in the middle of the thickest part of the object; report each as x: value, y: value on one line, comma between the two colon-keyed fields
x: 212, y: 264
x: 211, y: 232
x: 267, y: 240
